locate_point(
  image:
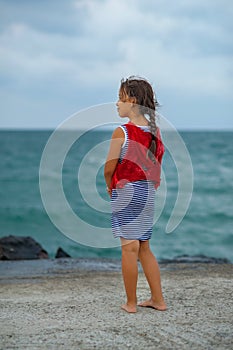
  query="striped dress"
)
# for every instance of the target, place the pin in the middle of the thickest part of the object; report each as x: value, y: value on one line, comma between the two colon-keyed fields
x: 133, y: 205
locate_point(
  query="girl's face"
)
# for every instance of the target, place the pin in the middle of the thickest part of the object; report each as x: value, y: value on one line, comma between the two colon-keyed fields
x: 124, y: 106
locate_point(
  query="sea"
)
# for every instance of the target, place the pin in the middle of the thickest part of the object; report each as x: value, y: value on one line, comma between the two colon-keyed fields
x: 29, y: 163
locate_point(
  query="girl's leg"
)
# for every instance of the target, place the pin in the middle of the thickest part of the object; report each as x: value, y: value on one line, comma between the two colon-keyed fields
x: 130, y: 251
x: 151, y: 269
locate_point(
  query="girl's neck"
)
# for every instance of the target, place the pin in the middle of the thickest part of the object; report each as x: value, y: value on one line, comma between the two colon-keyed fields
x: 139, y: 119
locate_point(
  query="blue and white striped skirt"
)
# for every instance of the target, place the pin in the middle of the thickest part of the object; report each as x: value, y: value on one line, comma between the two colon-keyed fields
x: 133, y: 210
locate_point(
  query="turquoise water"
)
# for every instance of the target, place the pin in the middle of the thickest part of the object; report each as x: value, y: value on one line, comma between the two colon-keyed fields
x: 207, y: 227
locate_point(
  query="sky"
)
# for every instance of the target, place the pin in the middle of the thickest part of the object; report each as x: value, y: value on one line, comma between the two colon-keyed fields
x: 60, y: 57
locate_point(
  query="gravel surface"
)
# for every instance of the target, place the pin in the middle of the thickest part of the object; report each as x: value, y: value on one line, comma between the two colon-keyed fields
x: 80, y: 309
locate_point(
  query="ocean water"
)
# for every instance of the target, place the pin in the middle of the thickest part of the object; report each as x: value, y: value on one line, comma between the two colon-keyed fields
x: 207, y: 227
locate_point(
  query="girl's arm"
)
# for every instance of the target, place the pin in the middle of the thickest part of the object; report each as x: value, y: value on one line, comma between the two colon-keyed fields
x: 117, y: 141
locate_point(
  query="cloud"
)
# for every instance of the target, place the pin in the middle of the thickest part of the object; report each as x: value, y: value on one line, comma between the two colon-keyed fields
x: 182, y: 46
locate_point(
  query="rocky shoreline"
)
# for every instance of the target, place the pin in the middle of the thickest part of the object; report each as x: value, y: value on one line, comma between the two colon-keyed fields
x: 26, y: 248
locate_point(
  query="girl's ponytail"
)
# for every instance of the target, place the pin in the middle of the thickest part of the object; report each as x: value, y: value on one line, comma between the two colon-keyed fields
x: 153, y: 129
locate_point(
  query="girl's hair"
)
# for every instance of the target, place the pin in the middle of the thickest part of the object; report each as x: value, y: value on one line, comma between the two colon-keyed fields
x: 141, y: 90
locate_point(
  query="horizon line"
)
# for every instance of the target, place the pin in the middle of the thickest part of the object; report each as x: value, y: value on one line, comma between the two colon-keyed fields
x: 110, y: 129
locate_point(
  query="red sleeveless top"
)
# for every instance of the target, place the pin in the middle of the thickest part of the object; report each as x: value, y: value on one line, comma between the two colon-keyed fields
x: 135, y: 165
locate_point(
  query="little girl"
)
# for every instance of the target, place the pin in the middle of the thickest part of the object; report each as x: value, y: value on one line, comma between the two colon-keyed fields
x: 132, y: 173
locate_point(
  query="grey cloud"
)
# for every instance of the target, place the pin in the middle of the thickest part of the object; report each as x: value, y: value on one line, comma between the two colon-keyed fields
x: 53, y: 48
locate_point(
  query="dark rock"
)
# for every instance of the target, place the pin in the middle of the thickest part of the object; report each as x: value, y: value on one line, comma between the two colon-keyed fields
x: 1, y: 253
x: 61, y: 254
x: 196, y: 259
x: 21, y: 248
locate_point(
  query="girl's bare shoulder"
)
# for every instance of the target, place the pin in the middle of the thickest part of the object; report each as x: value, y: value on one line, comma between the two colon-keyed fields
x: 118, y: 133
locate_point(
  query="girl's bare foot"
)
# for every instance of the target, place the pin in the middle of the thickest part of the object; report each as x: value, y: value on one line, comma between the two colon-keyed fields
x: 157, y: 306
x: 129, y: 308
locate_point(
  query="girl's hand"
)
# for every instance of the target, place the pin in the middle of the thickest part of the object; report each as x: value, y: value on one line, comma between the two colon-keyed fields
x: 109, y: 191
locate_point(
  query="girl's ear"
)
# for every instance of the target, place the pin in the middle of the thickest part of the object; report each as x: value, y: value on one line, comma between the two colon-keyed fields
x: 133, y: 100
